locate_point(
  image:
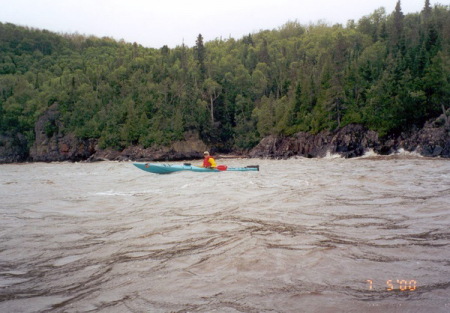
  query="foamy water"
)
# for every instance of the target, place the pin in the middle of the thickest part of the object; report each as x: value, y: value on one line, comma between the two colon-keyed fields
x: 302, y: 235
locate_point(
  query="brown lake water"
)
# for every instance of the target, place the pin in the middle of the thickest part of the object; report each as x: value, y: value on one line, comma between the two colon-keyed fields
x: 302, y: 235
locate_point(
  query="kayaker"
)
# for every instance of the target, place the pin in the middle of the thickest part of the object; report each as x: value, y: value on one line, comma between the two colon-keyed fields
x: 208, y: 160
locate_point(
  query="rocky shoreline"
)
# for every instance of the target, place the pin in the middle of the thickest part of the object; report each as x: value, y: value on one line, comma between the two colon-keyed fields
x: 354, y: 141
x: 433, y: 140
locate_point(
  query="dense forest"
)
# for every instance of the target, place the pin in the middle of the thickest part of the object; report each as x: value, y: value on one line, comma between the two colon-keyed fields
x: 388, y: 72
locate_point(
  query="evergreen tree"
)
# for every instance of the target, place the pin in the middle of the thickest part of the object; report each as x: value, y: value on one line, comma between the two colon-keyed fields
x: 437, y: 86
x: 426, y: 12
x: 200, y: 55
x: 396, y: 33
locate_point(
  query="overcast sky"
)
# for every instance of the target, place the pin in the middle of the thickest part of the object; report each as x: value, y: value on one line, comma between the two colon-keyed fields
x: 154, y: 23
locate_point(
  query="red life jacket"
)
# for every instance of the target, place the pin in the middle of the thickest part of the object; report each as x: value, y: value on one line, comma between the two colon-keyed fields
x: 206, y: 161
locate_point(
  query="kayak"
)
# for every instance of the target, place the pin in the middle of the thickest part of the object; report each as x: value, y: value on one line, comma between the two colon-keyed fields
x: 169, y: 168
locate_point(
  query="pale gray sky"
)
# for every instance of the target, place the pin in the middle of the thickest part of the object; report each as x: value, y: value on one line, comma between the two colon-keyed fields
x: 154, y: 23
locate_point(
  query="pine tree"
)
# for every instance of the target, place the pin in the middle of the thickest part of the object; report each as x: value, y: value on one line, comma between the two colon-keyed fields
x: 397, y: 29
x: 426, y: 12
x: 200, y: 55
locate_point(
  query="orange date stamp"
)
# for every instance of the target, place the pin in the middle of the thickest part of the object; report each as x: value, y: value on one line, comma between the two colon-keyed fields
x: 393, y: 285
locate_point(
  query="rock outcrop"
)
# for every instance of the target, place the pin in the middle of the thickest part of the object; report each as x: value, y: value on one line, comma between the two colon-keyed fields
x: 431, y: 141
x: 349, y: 141
x: 52, y: 144
x: 13, y: 148
x: 189, y: 148
x: 354, y: 140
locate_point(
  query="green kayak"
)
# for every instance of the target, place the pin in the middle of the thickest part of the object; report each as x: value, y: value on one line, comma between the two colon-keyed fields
x: 169, y: 168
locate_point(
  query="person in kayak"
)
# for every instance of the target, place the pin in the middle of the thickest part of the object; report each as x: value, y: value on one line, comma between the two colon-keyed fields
x: 208, y: 160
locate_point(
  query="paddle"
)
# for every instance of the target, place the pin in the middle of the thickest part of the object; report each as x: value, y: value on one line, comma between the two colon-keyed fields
x: 222, y: 167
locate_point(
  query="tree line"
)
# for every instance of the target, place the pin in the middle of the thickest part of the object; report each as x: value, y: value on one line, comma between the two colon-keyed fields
x: 388, y: 72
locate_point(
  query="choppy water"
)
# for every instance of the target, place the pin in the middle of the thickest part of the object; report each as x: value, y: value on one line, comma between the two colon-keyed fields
x: 302, y: 235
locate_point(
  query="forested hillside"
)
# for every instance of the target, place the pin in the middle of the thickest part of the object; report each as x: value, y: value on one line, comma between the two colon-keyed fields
x: 387, y: 71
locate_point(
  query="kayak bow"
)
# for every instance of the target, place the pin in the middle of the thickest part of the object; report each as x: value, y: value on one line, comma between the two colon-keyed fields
x: 169, y: 168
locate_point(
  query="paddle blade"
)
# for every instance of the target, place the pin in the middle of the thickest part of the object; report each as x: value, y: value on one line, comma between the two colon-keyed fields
x: 222, y: 167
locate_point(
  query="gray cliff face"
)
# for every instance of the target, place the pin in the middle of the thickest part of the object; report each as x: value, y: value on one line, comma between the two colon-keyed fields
x: 52, y: 144
x: 350, y: 141
x: 431, y: 141
x: 354, y: 140
x: 13, y: 148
